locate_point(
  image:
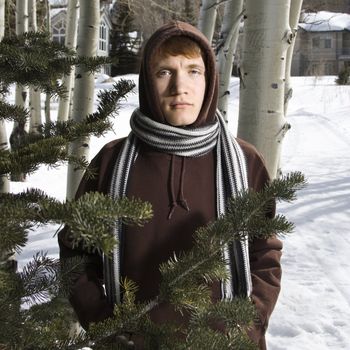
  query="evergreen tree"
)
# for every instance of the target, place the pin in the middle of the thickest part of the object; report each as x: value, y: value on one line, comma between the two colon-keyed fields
x: 29, y: 296
x: 125, y: 40
x: 343, y: 76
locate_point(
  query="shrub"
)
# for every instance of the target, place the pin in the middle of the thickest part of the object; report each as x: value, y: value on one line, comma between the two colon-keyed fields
x: 343, y: 76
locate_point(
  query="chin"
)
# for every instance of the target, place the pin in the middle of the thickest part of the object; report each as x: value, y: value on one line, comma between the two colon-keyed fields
x: 180, y: 120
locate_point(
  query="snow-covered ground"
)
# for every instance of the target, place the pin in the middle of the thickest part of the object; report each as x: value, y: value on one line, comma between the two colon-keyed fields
x: 313, y: 311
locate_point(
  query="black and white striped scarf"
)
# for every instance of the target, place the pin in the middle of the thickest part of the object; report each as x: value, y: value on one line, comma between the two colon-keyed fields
x: 231, y: 177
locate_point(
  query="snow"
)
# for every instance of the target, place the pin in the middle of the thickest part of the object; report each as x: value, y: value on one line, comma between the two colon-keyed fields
x: 325, y: 21
x: 313, y: 311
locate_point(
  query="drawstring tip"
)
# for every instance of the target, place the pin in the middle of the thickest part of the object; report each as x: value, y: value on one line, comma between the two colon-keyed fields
x: 171, y: 211
x: 184, y: 205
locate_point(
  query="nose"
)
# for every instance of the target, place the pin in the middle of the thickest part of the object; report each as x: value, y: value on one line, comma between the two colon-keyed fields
x: 178, y: 84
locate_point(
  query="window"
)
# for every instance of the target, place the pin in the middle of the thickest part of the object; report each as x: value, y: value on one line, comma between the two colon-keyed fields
x: 102, y: 45
x: 327, y: 43
x: 59, y: 31
x: 316, y: 42
x: 329, y: 69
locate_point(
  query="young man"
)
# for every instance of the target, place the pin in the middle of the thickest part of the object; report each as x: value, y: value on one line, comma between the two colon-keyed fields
x: 180, y: 158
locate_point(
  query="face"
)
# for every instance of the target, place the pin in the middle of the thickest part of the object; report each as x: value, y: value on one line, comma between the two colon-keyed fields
x: 180, y: 86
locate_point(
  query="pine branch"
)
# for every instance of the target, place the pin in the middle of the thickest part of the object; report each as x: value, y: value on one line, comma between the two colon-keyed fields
x: 246, y: 216
x: 39, y: 278
x: 29, y: 157
x: 32, y: 58
x: 109, y: 99
x: 96, y: 123
x: 13, y: 113
x: 49, y: 145
x: 91, y: 218
x: 35, y: 332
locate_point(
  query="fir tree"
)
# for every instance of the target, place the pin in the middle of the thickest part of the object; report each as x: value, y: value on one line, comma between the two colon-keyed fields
x: 27, y: 297
x: 125, y: 39
x: 343, y: 76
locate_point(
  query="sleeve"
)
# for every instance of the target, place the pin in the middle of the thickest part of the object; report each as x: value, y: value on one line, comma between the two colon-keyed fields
x: 87, y: 295
x: 265, y: 255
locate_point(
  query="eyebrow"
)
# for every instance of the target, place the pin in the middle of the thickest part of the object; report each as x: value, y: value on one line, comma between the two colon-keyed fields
x: 195, y: 65
x: 192, y: 65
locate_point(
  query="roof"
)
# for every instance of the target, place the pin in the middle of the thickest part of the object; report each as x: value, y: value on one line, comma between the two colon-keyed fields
x: 56, y: 12
x: 104, y: 14
x: 325, y: 21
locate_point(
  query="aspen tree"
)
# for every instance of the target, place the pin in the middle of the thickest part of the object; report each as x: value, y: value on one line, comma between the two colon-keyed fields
x: 21, y: 27
x: 48, y: 97
x: 4, y: 181
x: 21, y: 98
x: 295, y: 8
x: 267, y: 37
x: 70, y: 42
x: 226, y: 49
x: 207, y: 18
x: 83, y: 98
x: 34, y: 92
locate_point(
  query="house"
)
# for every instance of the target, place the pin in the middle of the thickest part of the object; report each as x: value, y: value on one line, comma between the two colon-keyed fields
x: 322, y: 45
x: 58, y: 31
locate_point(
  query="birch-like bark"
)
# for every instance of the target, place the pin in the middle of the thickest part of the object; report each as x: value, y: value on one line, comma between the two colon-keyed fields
x: 4, y: 181
x: 261, y: 107
x: 226, y: 49
x: 47, y: 106
x: 295, y: 8
x: 207, y: 18
x: 71, y: 43
x: 2, y: 19
x: 84, y: 85
x: 34, y: 93
x: 21, y: 97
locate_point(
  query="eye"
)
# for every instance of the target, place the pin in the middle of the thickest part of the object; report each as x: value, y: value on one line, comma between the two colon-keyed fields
x: 195, y: 71
x: 163, y: 73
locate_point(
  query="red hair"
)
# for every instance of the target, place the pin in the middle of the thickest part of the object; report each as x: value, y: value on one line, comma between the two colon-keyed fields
x: 179, y: 45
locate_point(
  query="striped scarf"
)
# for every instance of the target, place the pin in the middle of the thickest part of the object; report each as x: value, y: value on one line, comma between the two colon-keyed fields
x: 231, y: 177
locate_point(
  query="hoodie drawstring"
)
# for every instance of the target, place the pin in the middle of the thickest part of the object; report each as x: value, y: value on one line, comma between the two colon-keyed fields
x: 180, y: 200
x: 173, y: 203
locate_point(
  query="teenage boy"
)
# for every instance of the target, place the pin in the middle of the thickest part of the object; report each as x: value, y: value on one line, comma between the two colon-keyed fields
x: 179, y: 157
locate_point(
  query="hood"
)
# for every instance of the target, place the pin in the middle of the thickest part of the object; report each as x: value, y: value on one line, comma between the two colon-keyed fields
x: 149, y: 104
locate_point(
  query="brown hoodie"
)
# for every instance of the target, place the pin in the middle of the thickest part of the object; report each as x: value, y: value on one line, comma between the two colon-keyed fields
x: 167, y: 182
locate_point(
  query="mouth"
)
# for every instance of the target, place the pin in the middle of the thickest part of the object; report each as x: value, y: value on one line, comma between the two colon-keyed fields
x: 180, y: 105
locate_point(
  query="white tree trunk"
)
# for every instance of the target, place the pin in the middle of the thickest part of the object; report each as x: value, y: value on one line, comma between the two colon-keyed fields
x: 4, y: 181
x: 295, y: 8
x: 84, y: 85
x: 48, y: 96
x: 34, y: 93
x: 226, y: 49
x: 21, y: 96
x: 207, y: 18
x: 21, y: 27
x: 2, y: 19
x: 261, y: 107
x: 71, y: 43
